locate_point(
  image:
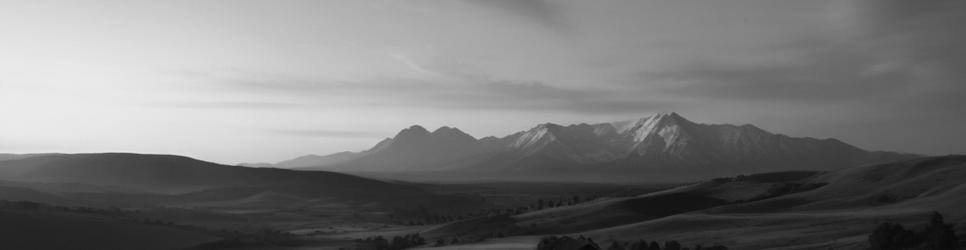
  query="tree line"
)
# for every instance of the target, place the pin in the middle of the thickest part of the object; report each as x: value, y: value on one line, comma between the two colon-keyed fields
x: 423, y: 216
x: 396, y: 243
x: 588, y: 243
x: 937, y: 235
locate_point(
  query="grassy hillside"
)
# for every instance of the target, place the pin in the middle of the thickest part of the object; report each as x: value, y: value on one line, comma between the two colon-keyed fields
x: 618, y: 211
x: 840, y: 213
x: 791, y: 210
x: 925, y: 183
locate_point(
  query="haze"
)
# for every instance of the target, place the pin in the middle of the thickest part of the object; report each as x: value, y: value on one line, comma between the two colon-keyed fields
x: 243, y: 81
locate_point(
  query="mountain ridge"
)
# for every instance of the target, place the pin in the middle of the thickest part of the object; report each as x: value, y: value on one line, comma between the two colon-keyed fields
x: 662, y: 142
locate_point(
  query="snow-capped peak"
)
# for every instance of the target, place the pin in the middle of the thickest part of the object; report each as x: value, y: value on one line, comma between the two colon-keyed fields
x: 662, y: 138
x: 535, y: 137
x: 662, y: 124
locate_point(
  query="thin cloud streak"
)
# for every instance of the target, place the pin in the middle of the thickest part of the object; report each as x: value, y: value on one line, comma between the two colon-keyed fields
x: 327, y: 133
x: 231, y: 105
x: 456, y: 92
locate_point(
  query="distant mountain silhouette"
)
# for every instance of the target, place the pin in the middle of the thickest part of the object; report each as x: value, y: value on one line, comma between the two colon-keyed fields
x: 4, y: 157
x: 256, y: 165
x: 666, y: 144
x: 413, y: 148
x: 417, y: 149
x: 309, y: 161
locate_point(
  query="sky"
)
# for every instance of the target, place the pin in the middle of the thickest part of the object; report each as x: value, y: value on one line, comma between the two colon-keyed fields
x: 264, y: 81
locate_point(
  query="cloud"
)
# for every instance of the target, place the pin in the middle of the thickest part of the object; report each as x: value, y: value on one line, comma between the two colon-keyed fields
x: 413, y: 65
x: 327, y: 133
x: 540, y: 12
x: 450, y: 92
x: 453, y: 86
x: 542, y: 97
x: 927, y: 32
x: 828, y: 79
x: 901, y: 51
x: 231, y: 105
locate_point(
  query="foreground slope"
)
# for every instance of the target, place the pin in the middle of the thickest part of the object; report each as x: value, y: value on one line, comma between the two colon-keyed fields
x: 791, y: 210
x: 839, y: 214
x: 44, y: 229
x: 929, y: 182
x: 609, y: 212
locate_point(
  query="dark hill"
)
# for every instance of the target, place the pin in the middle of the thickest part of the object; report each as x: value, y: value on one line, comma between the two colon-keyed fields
x: 177, y: 174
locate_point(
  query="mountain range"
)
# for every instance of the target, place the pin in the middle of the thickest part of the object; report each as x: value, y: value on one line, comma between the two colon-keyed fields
x: 664, y: 146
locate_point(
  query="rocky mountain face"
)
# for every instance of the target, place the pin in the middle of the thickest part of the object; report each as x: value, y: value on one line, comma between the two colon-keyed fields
x: 665, y: 142
x: 415, y: 149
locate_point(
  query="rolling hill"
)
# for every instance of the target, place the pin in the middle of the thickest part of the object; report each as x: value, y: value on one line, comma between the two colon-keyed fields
x: 189, y: 179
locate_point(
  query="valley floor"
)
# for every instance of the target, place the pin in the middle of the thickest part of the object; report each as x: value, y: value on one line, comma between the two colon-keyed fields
x: 778, y: 211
